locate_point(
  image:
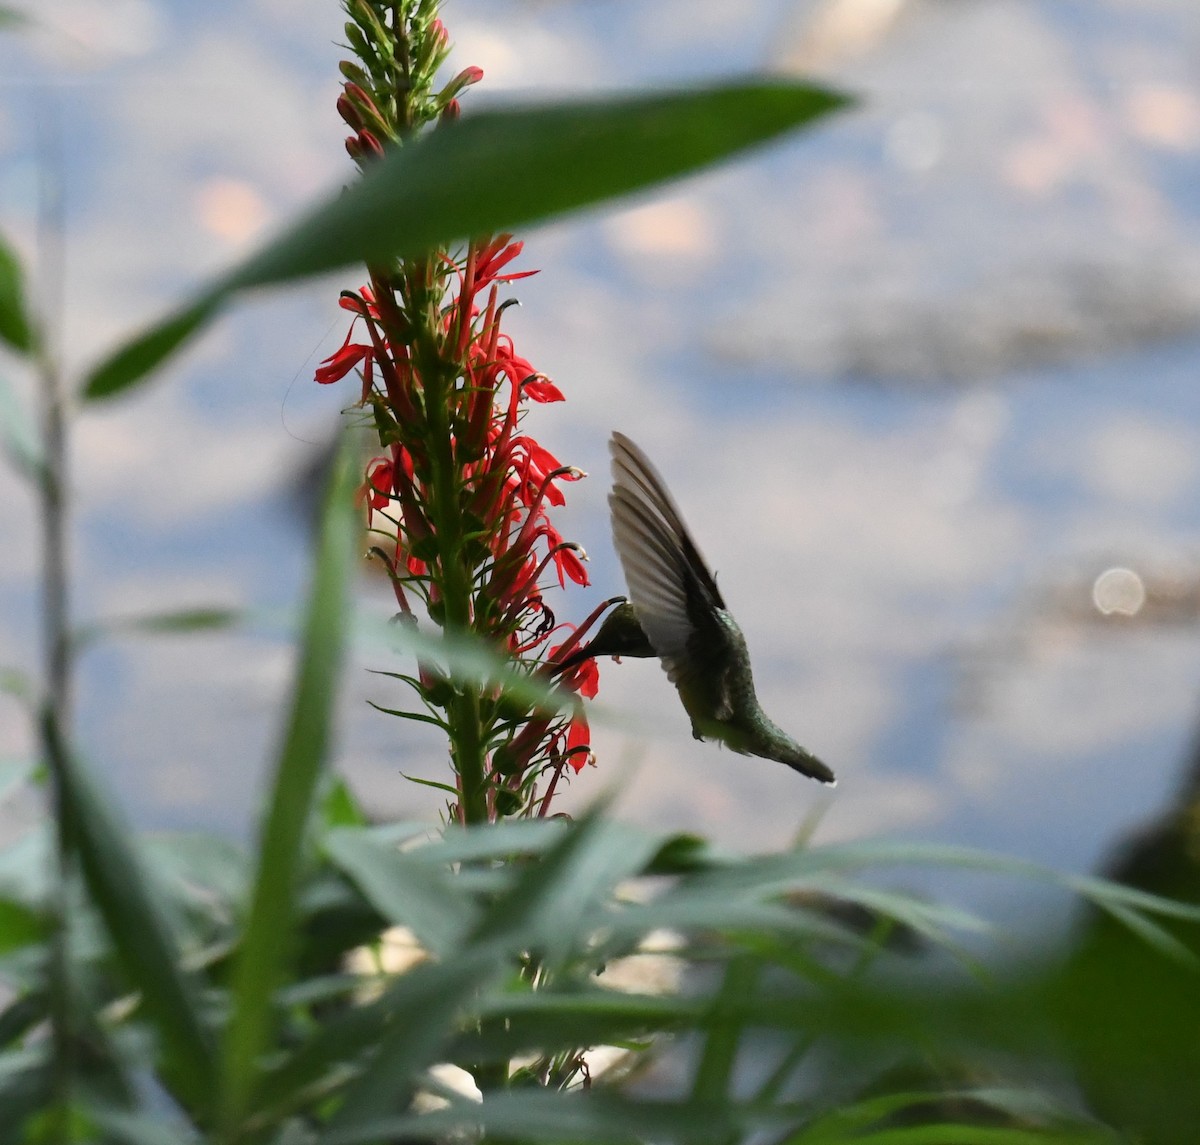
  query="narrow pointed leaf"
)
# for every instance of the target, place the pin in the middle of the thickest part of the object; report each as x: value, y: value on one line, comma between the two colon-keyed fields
x: 535, y: 1116
x: 538, y: 911
x: 157, y: 623
x: 267, y: 944
x: 16, y: 329
x: 20, y: 926
x: 123, y: 890
x: 406, y: 892
x: 137, y: 358
x: 441, y: 188
x: 406, y: 1027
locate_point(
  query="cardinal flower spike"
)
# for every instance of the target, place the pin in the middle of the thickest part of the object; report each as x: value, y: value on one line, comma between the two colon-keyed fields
x: 676, y: 613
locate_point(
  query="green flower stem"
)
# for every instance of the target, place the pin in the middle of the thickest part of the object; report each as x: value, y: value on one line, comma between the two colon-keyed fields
x: 464, y: 712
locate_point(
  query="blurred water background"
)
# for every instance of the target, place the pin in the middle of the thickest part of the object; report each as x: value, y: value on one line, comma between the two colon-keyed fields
x: 924, y: 381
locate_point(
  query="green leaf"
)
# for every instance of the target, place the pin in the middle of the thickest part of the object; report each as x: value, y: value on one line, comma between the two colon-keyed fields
x: 539, y: 911
x: 533, y: 1115
x: 141, y: 1129
x: 124, y: 892
x: 15, y: 682
x: 24, y: 867
x: 406, y: 1028
x: 442, y: 188
x: 955, y: 1133
x: 268, y: 943
x: 20, y: 926
x: 725, y: 1028
x: 137, y: 358
x: 215, y: 868
x: 467, y: 658
x: 853, y: 1122
x: 494, y: 841
x: 340, y: 808
x: 17, y: 435
x: 16, y: 330
x: 158, y: 623
x: 545, y: 1022
x: 405, y: 891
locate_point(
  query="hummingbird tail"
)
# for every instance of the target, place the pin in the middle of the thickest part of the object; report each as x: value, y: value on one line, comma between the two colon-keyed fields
x: 807, y: 764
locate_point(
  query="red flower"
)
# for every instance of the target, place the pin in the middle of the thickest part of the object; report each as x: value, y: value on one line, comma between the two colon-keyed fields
x: 340, y: 363
x: 378, y: 487
x: 579, y: 743
x: 541, y: 389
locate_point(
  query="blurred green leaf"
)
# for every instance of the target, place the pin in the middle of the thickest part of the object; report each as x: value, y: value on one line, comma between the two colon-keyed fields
x: 907, y: 1118
x: 136, y: 359
x: 723, y: 1033
x: 539, y: 911
x: 537, y: 1116
x: 14, y: 773
x: 439, y: 189
x: 406, y: 892
x: 268, y: 944
x: 13, y: 18
x: 493, y: 841
x: 18, y: 1018
x: 24, y: 1089
x: 212, y: 865
x: 25, y: 867
x: 183, y: 620
x: 122, y: 1128
x: 16, y: 682
x: 18, y: 438
x: 20, y: 926
x: 952, y: 1133
x: 547, y: 1022
x: 407, y: 1026
x: 16, y: 330
x: 125, y: 894
x: 1128, y: 1019
x: 340, y: 808
x: 465, y: 657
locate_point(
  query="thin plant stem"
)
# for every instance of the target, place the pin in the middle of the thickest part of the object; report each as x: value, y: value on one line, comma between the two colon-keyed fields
x: 54, y: 726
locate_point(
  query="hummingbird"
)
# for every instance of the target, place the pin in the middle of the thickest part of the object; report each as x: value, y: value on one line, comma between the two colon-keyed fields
x: 677, y: 613
x: 621, y: 634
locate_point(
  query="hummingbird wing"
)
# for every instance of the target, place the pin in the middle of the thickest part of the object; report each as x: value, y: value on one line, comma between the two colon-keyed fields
x: 676, y: 596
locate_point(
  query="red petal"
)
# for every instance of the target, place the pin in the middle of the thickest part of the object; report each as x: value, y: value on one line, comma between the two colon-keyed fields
x: 340, y: 364
x: 568, y: 562
x: 578, y: 738
x: 542, y: 389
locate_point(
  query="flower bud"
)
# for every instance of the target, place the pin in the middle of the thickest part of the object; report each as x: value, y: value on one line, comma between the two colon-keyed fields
x: 349, y: 113
x: 507, y: 802
x: 370, y: 145
x: 458, y: 84
x: 505, y: 761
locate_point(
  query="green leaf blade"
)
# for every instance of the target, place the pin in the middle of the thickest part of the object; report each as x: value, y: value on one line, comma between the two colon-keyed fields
x: 144, y: 353
x: 570, y: 156
x: 438, y: 190
x: 16, y: 328
x: 262, y: 961
x: 123, y: 891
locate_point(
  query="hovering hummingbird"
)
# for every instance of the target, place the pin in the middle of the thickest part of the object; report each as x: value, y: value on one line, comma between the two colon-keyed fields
x: 678, y: 614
